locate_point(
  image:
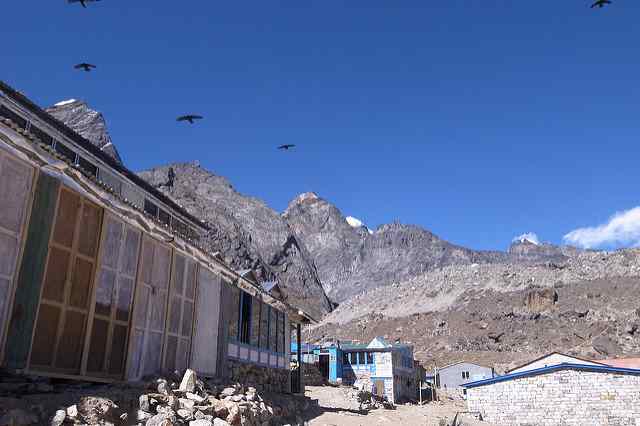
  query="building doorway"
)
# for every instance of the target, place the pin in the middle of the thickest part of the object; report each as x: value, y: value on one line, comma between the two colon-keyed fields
x: 323, y: 365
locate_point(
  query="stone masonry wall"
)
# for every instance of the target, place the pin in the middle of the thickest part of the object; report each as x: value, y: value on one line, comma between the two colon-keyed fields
x: 565, y: 397
x: 262, y: 378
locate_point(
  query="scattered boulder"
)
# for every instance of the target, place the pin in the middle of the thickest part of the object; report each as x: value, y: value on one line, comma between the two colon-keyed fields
x: 540, y: 299
x: 188, y: 383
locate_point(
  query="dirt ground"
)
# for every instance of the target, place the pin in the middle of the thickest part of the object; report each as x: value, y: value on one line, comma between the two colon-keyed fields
x: 337, y: 409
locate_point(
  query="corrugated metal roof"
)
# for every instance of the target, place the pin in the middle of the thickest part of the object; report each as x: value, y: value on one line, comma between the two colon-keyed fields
x: 633, y: 363
x: 552, y: 368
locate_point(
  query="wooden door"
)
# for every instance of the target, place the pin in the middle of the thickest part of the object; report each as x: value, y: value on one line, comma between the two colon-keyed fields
x: 16, y: 180
x: 149, y: 310
x: 181, y: 313
x: 59, y: 334
x: 109, y: 323
x: 205, y: 340
x: 379, y: 387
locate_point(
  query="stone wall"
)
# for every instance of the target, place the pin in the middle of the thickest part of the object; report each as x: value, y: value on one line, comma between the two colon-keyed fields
x: 567, y: 397
x: 262, y: 378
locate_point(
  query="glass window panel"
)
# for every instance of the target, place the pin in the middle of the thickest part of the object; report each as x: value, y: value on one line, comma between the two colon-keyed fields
x: 255, y: 322
x: 192, y: 272
x: 89, y: 230
x: 87, y: 166
x: 273, y: 329
x: 118, y: 346
x: 65, y: 227
x: 187, y: 319
x: 8, y: 254
x: 245, y: 318
x: 125, y: 290
x: 164, y: 217
x: 104, y: 292
x: 44, y: 137
x: 112, y: 240
x: 65, y: 152
x: 161, y: 265
x: 81, y: 283
x: 264, y: 326
x: 172, y: 347
x: 98, y: 346
x: 130, y: 256
x: 234, y: 312
x: 15, y: 185
x: 57, y: 267
x: 150, y: 208
x: 174, y: 314
x: 71, y: 341
x: 46, y: 335
x: 178, y: 274
x: 281, y: 336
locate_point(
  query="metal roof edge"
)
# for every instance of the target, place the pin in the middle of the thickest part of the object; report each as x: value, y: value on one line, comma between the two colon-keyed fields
x: 551, y: 368
x: 553, y: 353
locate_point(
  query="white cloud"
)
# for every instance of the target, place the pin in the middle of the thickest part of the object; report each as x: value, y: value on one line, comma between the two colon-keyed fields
x: 623, y: 228
x: 532, y: 237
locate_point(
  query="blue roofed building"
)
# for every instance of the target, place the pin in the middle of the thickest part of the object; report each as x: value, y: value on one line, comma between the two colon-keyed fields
x: 386, y: 369
x: 565, y: 393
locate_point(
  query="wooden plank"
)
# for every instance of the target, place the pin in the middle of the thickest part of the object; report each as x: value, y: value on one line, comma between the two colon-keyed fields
x: 223, y: 329
x: 31, y: 272
x: 205, y: 344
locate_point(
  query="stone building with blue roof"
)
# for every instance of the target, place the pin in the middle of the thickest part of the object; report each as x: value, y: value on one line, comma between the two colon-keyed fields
x: 566, y: 393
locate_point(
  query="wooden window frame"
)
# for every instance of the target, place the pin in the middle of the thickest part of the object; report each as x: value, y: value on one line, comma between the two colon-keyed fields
x: 74, y: 256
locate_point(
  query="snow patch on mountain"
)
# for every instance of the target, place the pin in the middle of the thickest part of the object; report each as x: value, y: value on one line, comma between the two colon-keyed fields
x: 527, y: 237
x: 67, y: 102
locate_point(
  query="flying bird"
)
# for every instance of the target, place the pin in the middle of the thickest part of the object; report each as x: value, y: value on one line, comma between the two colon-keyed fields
x: 600, y: 3
x: 82, y: 2
x: 286, y: 147
x: 84, y: 66
x: 189, y: 118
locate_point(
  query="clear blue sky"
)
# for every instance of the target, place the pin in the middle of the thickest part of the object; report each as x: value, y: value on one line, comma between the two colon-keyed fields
x: 477, y: 119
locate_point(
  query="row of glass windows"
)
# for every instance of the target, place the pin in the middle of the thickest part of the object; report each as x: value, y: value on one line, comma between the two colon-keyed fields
x: 357, y: 358
x: 149, y: 207
x: 255, y: 323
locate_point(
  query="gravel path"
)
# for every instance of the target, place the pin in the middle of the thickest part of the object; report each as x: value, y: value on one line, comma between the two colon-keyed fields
x: 338, y: 410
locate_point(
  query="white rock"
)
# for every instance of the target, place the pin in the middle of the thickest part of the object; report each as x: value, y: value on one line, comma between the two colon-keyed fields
x: 58, y: 419
x: 200, y: 422
x: 220, y: 422
x: 72, y: 411
x: 194, y: 397
x: 188, y: 383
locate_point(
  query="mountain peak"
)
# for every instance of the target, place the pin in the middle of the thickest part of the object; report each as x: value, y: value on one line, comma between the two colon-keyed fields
x: 87, y: 122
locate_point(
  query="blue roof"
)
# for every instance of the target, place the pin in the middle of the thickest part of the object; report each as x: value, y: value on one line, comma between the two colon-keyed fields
x: 545, y: 370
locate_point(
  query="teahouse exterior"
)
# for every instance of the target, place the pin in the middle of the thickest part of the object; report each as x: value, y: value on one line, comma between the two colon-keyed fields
x: 384, y: 369
x: 102, y: 276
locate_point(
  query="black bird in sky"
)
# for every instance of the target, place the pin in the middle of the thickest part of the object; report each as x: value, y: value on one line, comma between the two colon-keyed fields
x: 286, y: 147
x: 82, y: 2
x: 84, y: 66
x: 189, y: 118
x: 600, y: 3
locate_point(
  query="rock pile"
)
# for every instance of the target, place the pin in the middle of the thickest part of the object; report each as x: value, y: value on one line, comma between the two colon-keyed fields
x: 188, y: 401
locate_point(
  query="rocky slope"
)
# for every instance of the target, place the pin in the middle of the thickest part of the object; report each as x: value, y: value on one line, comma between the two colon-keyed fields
x: 504, y: 314
x: 88, y: 123
x: 246, y: 232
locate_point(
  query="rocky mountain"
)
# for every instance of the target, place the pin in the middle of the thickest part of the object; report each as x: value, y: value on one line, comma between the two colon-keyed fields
x: 248, y: 233
x: 504, y: 314
x: 88, y: 123
x: 351, y: 259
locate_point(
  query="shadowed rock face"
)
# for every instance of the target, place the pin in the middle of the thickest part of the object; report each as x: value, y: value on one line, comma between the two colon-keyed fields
x: 351, y: 260
x: 88, y: 123
x: 247, y: 233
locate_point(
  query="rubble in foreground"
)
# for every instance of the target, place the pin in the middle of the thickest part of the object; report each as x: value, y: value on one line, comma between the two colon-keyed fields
x: 164, y: 402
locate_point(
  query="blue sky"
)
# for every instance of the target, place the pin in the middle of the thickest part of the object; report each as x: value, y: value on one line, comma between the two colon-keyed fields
x: 477, y: 119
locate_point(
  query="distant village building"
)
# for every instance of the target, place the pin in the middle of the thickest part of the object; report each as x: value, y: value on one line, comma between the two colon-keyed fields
x: 453, y: 376
x: 386, y: 369
x: 561, y: 394
x: 104, y: 277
